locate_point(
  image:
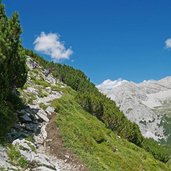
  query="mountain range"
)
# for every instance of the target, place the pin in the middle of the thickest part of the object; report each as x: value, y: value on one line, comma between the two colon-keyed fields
x: 148, y: 104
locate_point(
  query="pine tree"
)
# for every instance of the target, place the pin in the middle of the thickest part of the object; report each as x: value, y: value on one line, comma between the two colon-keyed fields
x: 3, y: 50
x: 16, y: 57
x: 13, y: 72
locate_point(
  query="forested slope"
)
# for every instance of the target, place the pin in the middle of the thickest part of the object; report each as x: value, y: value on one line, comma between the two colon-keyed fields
x: 100, y: 106
x: 96, y: 145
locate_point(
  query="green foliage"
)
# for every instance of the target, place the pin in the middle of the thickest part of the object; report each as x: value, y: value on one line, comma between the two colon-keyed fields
x: 43, y: 106
x: 13, y: 73
x: 42, y: 93
x: 29, y: 138
x: 98, y: 147
x: 16, y: 158
x: 7, y: 113
x: 42, y: 83
x: 32, y: 147
x: 106, y: 110
x: 2, y: 169
x: 169, y: 163
x: 7, y: 118
x: 159, y: 152
x: 30, y: 98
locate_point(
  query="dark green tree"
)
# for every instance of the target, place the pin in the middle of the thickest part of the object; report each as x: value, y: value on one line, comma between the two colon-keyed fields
x: 3, y: 57
x: 16, y: 57
x: 13, y: 71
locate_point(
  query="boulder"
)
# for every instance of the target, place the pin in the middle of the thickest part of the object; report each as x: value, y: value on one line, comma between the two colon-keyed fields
x: 28, y: 155
x: 50, y: 110
x: 25, y: 118
x: 43, y: 160
x: 31, y: 127
x: 42, y: 115
x: 13, y: 135
x: 24, y: 143
x: 43, y: 131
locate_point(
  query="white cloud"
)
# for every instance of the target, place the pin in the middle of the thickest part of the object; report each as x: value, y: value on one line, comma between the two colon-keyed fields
x: 168, y: 43
x: 109, y: 84
x: 50, y: 44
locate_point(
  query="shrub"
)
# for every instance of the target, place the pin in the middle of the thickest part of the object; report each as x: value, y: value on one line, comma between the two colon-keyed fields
x: 159, y: 152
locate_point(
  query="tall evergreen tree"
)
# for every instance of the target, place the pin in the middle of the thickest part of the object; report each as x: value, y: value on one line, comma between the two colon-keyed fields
x: 16, y: 57
x: 13, y: 72
x: 3, y: 51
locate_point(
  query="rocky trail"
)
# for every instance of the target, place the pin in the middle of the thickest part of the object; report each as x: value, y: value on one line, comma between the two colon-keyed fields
x: 35, y: 136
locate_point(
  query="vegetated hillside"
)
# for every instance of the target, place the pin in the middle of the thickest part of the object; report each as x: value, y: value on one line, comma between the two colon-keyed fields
x: 105, y: 110
x: 99, y: 148
x: 90, y: 123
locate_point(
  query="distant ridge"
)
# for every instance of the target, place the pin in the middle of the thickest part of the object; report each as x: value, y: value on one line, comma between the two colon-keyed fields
x: 147, y: 103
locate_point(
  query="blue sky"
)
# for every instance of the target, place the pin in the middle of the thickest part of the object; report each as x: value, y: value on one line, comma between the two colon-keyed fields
x: 109, y: 39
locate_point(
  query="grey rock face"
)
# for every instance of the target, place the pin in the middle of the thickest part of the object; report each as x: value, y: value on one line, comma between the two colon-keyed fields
x: 43, y: 160
x: 50, y: 110
x: 140, y: 102
x: 42, y: 115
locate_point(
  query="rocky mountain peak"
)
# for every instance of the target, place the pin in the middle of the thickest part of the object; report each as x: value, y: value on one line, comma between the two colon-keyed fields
x: 146, y: 103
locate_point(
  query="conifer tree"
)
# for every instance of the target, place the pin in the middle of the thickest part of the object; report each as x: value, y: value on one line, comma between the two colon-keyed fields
x: 3, y: 50
x: 16, y: 57
x: 13, y: 72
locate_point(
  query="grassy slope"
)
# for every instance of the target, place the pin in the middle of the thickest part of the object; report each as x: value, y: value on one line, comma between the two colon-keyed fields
x: 96, y: 145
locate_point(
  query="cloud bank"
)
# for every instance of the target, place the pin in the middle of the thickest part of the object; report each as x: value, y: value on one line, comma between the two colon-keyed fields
x: 50, y: 44
x: 168, y: 43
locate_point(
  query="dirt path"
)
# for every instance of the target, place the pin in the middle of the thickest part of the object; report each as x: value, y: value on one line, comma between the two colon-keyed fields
x: 55, y: 145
